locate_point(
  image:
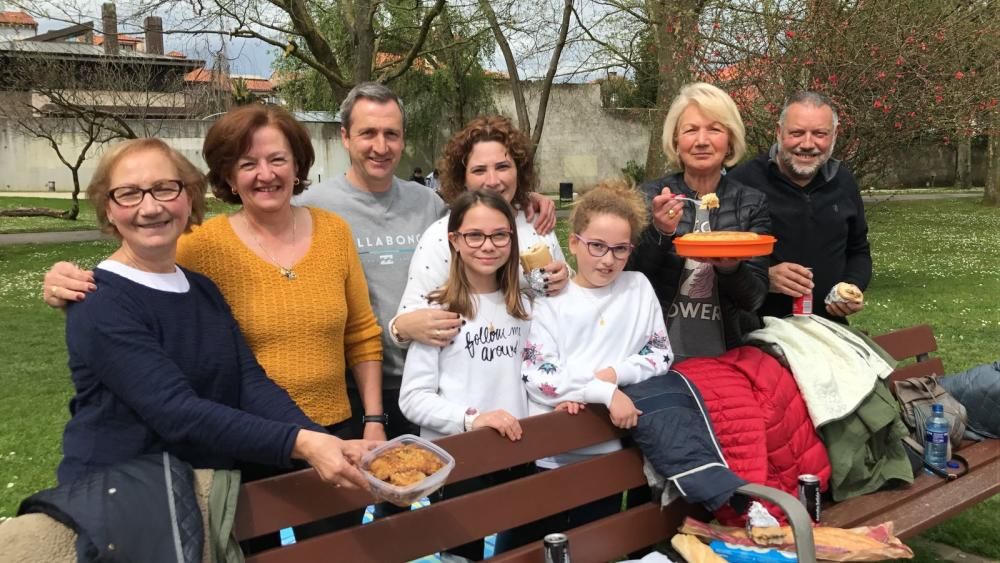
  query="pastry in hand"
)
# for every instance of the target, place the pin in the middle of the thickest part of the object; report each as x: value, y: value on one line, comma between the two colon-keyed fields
x: 845, y: 292
x: 536, y: 257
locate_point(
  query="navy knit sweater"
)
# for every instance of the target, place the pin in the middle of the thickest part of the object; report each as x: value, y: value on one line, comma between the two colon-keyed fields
x: 155, y: 370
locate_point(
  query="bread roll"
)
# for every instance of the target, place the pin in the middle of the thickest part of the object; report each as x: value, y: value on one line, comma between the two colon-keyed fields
x: 538, y: 256
x: 693, y: 551
x: 850, y: 292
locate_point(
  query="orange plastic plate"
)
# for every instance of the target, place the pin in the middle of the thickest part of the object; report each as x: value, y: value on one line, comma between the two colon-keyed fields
x: 761, y: 246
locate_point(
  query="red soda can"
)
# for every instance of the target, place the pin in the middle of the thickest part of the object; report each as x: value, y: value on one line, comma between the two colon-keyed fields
x: 809, y: 495
x: 803, y: 305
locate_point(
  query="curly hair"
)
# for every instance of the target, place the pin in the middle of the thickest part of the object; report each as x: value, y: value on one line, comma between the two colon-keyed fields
x: 616, y: 197
x: 230, y: 137
x: 483, y: 129
x: 100, y: 183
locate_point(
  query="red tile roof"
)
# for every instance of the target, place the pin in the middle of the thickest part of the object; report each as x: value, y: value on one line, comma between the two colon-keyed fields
x: 204, y: 75
x: 199, y: 75
x: 17, y: 18
x: 259, y: 85
x: 122, y: 38
x: 177, y: 54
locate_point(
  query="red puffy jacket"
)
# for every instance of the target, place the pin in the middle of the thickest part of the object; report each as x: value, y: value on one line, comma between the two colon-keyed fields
x: 760, y: 420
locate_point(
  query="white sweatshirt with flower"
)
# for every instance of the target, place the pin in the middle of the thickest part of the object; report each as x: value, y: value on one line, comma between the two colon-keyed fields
x: 582, y: 331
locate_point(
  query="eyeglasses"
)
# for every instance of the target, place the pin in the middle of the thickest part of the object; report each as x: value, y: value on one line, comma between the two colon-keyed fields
x: 130, y: 196
x: 475, y: 239
x: 598, y: 249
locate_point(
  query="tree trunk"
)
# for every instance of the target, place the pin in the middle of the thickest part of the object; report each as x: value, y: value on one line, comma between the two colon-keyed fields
x: 364, y: 41
x: 991, y: 195
x: 33, y: 212
x: 74, y: 211
x: 676, y: 39
x: 520, y: 104
x: 963, y: 162
x: 543, y: 98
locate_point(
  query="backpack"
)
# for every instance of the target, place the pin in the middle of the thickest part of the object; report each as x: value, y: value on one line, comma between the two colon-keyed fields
x: 916, y: 396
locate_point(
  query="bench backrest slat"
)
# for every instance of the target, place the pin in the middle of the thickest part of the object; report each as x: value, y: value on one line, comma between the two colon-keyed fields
x: 932, y: 366
x: 472, y: 516
x: 268, y: 505
x: 908, y: 342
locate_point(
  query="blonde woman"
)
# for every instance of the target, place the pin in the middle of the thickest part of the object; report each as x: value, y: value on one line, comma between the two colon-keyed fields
x: 708, y: 304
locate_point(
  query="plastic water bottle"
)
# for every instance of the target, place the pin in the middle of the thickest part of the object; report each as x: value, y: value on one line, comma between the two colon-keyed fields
x: 936, y: 439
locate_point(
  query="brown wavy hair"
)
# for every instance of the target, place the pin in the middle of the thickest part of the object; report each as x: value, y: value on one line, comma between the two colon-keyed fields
x: 616, y: 197
x: 100, y: 183
x: 230, y: 137
x: 452, y: 163
x: 456, y: 294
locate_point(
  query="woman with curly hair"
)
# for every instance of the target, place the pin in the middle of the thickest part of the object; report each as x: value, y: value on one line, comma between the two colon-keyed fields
x: 489, y: 153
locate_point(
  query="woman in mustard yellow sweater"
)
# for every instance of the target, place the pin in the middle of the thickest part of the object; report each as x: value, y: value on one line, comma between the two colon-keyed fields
x: 291, y: 275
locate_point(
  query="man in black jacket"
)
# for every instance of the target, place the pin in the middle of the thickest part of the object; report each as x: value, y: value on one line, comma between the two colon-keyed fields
x: 816, y: 211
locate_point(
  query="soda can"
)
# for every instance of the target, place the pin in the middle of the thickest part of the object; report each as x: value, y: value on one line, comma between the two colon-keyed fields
x: 556, y: 548
x: 803, y: 305
x: 809, y: 495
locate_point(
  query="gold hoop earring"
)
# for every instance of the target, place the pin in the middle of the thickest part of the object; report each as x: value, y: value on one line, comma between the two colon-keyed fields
x: 296, y: 182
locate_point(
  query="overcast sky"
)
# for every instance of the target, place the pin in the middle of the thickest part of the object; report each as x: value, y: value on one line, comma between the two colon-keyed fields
x: 246, y: 56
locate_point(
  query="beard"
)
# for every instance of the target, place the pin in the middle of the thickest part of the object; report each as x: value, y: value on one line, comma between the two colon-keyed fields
x: 799, y: 171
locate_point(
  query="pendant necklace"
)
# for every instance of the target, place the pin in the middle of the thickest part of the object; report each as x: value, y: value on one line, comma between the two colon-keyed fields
x: 595, y: 302
x: 287, y: 273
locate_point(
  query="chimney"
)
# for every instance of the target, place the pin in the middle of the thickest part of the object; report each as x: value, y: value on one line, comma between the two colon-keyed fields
x: 109, y: 21
x: 154, y: 35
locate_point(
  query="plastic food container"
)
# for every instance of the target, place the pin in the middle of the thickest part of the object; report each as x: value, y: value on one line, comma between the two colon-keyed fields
x: 709, y: 248
x: 405, y: 496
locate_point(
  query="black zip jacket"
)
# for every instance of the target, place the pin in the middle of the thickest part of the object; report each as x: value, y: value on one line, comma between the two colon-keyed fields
x: 820, y: 226
x: 741, y: 292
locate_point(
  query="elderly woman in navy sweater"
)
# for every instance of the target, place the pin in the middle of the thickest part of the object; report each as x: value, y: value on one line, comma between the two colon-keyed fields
x: 157, y: 359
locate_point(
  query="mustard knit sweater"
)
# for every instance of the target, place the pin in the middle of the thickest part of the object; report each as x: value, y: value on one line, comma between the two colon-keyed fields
x: 301, y: 330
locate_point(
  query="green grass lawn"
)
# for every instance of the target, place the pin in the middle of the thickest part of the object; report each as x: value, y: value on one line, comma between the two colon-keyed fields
x: 86, y: 220
x: 935, y: 262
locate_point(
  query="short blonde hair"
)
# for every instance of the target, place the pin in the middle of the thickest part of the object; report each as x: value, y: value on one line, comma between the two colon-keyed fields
x: 716, y: 105
x: 100, y: 183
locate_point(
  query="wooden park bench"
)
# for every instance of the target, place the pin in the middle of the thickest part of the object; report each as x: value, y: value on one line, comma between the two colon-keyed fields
x: 930, y: 500
x: 269, y: 505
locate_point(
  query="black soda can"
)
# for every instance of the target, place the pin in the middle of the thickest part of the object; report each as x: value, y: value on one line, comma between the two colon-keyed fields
x: 809, y: 495
x: 556, y: 548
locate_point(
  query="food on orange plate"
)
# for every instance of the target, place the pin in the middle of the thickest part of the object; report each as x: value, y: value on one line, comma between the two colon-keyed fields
x: 405, y: 465
x: 709, y: 201
x: 538, y: 256
x: 721, y: 236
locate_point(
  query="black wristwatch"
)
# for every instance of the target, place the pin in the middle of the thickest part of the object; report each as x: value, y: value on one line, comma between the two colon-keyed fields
x: 382, y: 419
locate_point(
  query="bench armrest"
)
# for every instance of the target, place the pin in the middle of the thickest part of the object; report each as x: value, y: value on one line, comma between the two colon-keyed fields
x: 802, y: 531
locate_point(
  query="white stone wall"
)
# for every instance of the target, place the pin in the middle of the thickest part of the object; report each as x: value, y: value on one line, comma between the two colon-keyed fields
x: 28, y: 163
x: 581, y: 142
